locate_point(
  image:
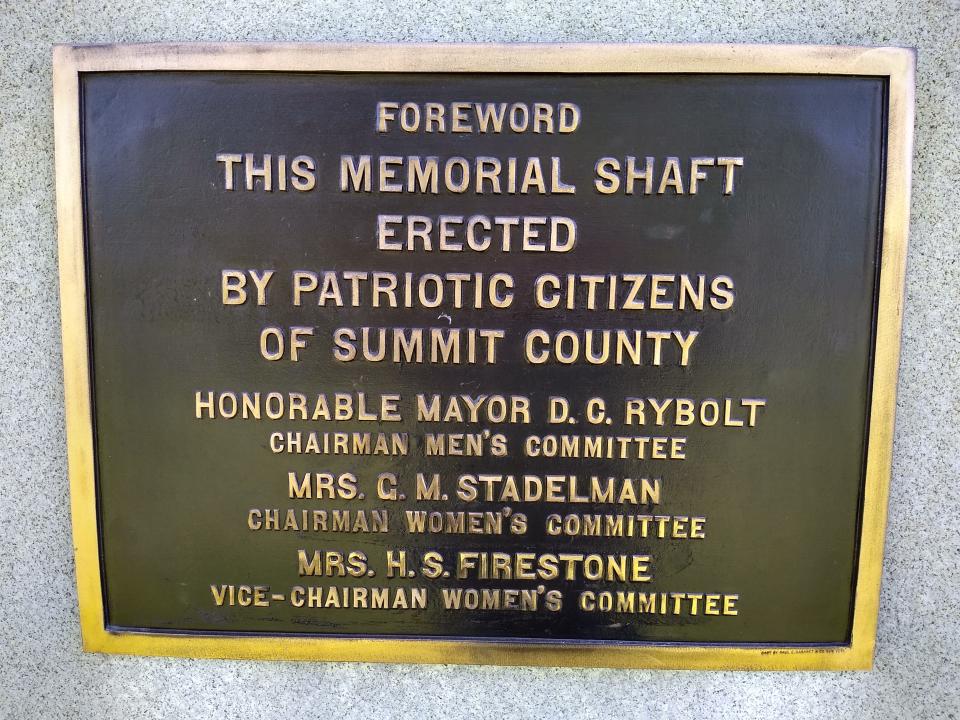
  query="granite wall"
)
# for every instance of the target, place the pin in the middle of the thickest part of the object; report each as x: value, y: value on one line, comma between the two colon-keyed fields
x: 43, y: 674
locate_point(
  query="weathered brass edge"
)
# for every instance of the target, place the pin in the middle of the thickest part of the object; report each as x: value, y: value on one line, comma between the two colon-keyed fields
x: 896, y: 64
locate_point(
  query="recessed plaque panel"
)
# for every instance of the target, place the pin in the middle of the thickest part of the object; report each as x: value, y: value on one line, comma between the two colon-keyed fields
x: 563, y: 355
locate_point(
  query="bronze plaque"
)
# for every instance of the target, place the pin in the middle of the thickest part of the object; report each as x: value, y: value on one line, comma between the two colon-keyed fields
x: 511, y: 354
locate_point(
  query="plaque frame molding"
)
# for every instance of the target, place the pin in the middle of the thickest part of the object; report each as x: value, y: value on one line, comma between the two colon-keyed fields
x: 896, y: 65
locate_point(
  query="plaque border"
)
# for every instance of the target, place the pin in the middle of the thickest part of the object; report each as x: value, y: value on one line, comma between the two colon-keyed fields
x: 896, y: 65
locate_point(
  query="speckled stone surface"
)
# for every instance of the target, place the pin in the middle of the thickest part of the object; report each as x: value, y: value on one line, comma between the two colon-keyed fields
x: 43, y: 674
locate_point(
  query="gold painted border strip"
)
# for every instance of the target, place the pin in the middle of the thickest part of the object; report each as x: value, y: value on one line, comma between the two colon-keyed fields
x: 896, y: 64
